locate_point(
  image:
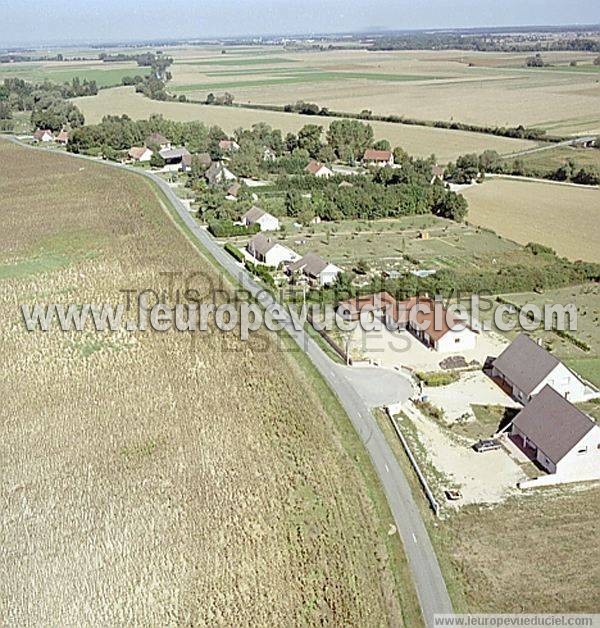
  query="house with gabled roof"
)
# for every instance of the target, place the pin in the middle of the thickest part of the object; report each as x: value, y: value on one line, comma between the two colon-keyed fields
x: 218, y: 174
x: 318, y: 169
x: 525, y: 367
x: 268, y: 251
x: 315, y: 268
x: 374, y: 157
x: 176, y: 158
x: 63, y: 137
x: 140, y: 153
x: 229, y: 146
x: 156, y: 139
x: 257, y: 216
x: 559, y: 437
x: 43, y: 135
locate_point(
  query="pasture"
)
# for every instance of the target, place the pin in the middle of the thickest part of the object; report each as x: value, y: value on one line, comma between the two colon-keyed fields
x: 545, y: 161
x: 160, y: 478
x: 419, y: 141
x: 564, y: 217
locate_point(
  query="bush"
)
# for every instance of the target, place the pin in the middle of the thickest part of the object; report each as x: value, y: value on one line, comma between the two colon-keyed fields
x: 234, y: 252
x: 442, y: 378
x: 227, y: 229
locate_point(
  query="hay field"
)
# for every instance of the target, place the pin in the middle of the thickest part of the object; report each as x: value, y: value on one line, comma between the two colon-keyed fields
x: 418, y: 141
x: 152, y: 478
x: 564, y: 217
x: 472, y: 87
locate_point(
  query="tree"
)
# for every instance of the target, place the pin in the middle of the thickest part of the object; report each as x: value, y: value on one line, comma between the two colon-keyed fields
x: 326, y: 154
x: 246, y: 161
x: 291, y: 142
x: 597, y: 60
x: 349, y: 137
x: 535, y: 61
x: 588, y: 175
x: 309, y: 138
x: 294, y: 203
x: 156, y: 161
x: 490, y: 161
x: 400, y: 155
x: 465, y: 170
x: 451, y: 205
x: 382, y: 145
x: 210, y: 99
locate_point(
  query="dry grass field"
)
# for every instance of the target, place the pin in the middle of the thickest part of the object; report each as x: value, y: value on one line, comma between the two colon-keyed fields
x: 472, y: 87
x: 418, y: 141
x: 158, y: 479
x: 565, y: 217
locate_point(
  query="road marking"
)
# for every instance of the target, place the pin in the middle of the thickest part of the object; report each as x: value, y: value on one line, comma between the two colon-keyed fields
x: 414, y: 537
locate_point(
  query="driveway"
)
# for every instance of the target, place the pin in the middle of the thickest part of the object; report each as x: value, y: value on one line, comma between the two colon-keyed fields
x: 378, y: 386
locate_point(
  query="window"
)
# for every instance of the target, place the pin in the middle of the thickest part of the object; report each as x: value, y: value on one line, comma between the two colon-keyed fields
x: 457, y: 340
x: 582, y: 451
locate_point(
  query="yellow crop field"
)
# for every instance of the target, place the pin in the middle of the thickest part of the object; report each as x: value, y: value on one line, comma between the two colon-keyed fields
x: 416, y: 140
x: 159, y: 479
x: 493, y: 89
x: 564, y: 217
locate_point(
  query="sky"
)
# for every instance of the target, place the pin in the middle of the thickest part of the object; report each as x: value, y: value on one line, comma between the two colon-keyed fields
x: 54, y: 21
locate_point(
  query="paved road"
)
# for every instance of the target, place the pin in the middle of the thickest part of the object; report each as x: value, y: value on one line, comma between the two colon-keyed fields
x: 427, y: 576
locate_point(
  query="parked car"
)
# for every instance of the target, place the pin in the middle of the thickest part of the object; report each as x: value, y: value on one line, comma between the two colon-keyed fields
x: 486, y: 444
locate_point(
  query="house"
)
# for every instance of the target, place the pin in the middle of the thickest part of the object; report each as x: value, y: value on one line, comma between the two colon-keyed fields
x: 525, y: 367
x: 186, y: 163
x: 315, y: 268
x: 318, y: 169
x: 381, y: 304
x: 140, y: 153
x: 229, y: 146
x: 233, y: 191
x: 217, y: 174
x: 269, y: 154
x: 431, y: 323
x: 43, y: 135
x: 63, y: 137
x: 156, y: 139
x: 374, y: 157
x: 257, y: 216
x: 174, y: 158
x: 437, y: 172
x: 559, y: 436
x: 268, y: 251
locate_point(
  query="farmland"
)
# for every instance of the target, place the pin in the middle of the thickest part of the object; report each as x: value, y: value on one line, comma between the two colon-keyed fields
x: 155, y: 478
x: 60, y: 72
x: 476, y: 88
x: 548, y: 161
x: 418, y: 141
x: 564, y: 217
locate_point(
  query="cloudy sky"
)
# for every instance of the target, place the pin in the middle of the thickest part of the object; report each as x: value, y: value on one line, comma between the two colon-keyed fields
x: 119, y: 20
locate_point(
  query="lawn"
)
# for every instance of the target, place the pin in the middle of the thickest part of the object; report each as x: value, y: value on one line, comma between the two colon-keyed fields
x: 105, y: 76
x: 220, y: 478
x: 564, y: 217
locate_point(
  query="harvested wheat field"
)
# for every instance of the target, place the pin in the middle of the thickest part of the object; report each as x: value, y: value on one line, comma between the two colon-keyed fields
x: 564, y: 217
x: 417, y: 140
x: 154, y: 479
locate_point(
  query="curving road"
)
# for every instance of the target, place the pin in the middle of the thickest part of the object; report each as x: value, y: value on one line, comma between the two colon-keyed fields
x: 427, y: 576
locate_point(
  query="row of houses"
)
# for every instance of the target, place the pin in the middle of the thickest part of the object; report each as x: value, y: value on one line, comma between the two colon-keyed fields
x: 553, y: 432
x: 429, y: 321
x: 46, y: 135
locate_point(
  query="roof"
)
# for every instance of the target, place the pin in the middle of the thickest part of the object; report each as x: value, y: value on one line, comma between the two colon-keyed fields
x: 136, y: 152
x: 227, y: 144
x: 260, y: 244
x: 217, y: 168
x: 311, y: 264
x: 377, y: 155
x: 554, y: 424
x: 314, y: 166
x: 156, y: 138
x: 437, y: 171
x: 254, y: 214
x: 378, y: 299
x: 234, y: 189
x: 39, y: 133
x: 63, y: 136
x: 186, y: 159
x: 174, y: 153
x: 525, y: 363
x: 429, y: 317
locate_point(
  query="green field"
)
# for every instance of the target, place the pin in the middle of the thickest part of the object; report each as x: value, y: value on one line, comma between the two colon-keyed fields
x: 546, y: 161
x: 104, y: 77
x: 308, y: 77
x: 238, y: 62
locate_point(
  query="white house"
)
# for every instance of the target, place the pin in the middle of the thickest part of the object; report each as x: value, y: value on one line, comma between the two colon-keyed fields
x: 229, y: 146
x: 524, y: 368
x: 318, y: 169
x: 315, y: 268
x: 140, y: 153
x: 43, y: 135
x: 266, y: 250
x: 561, y: 438
x: 257, y: 216
x: 218, y: 174
x: 373, y: 157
